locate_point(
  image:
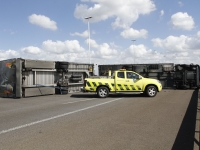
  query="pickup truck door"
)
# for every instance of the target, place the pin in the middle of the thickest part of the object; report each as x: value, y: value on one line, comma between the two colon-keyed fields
x: 134, y: 81
x: 120, y: 80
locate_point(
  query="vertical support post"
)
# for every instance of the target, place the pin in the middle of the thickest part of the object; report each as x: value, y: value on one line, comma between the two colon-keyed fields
x: 134, y: 50
x: 18, y: 91
x: 89, y: 37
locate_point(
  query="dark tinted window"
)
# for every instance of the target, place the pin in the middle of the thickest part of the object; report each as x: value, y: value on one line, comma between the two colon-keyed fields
x: 131, y: 75
x: 120, y: 74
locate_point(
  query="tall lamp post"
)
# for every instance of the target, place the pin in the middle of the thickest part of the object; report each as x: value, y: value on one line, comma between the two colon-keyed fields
x: 88, y: 18
x: 133, y: 50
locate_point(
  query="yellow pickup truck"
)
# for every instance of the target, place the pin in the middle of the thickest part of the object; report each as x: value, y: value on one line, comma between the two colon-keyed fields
x: 122, y: 81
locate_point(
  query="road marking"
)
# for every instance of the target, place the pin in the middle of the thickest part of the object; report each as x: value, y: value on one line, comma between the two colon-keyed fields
x: 80, y: 101
x: 55, y: 117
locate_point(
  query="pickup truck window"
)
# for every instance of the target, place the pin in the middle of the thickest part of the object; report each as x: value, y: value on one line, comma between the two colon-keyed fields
x: 120, y: 74
x: 131, y: 75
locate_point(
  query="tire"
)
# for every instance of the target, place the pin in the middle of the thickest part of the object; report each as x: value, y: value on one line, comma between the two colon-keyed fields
x: 64, y: 63
x: 151, y: 91
x: 63, y: 66
x: 102, y: 92
x: 76, y: 76
x: 76, y: 79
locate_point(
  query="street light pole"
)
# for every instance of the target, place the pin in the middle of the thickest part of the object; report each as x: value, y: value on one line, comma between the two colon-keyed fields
x: 88, y: 18
x: 133, y: 50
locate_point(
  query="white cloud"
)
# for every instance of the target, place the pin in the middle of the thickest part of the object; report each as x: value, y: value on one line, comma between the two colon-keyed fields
x: 140, y: 54
x: 105, y: 50
x: 131, y: 33
x: 137, y: 50
x: 183, y: 21
x: 7, y: 54
x: 31, y: 50
x: 102, y: 50
x: 69, y: 57
x: 198, y: 33
x: 178, y: 44
x: 180, y: 3
x: 43, y: 21
x: 60, y: 47
x: 172, y: 49
x: 124, y: 12
x: 93, y: 43
x: 84, y: 34
x: 162, y: 13
x: 69, y: 51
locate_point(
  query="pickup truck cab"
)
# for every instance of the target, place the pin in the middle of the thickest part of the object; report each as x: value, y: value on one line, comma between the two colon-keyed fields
x: 122, y: 81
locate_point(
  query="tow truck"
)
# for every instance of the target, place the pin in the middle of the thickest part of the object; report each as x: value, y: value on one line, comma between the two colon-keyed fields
x: 122, y: 81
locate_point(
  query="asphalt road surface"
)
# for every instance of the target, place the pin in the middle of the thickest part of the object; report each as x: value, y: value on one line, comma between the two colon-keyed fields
x: 82, y: 121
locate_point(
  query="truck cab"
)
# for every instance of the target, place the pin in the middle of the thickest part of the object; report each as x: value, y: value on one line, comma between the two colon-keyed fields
x: 128, y: 81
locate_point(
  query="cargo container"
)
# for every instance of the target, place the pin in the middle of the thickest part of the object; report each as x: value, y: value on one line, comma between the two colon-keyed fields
x: 24, y: 77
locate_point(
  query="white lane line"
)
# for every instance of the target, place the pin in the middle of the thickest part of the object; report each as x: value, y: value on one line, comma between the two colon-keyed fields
x: 80, y: 101
x: 55, y: 117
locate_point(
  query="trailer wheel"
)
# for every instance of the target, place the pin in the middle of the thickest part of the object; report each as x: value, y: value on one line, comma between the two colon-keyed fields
x: 151, y: 91
x: 102, y: 92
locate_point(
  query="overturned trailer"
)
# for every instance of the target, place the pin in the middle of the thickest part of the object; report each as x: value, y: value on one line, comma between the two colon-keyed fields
x: 23, y: 77
x: 178, y: 76
x: 186, y: 76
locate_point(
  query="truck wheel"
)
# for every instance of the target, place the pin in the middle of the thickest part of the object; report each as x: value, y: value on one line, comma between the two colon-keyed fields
x: 151, y: 91
x: 102, y: 92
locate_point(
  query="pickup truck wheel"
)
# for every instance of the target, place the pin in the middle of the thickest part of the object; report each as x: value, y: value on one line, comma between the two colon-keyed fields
x: 103, y: 92
x: 151, y: 91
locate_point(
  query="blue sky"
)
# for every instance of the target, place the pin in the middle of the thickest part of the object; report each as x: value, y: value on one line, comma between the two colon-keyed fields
x: 164, y: 31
